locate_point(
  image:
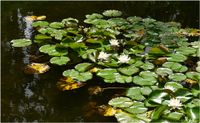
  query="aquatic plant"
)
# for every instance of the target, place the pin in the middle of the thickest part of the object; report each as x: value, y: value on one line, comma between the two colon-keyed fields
x: 152, y: 59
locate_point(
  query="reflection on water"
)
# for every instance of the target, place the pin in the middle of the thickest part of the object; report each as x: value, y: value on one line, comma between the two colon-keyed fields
x: 35, y: 97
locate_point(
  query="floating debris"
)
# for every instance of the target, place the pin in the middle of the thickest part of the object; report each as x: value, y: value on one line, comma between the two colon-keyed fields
x: 37, y: 68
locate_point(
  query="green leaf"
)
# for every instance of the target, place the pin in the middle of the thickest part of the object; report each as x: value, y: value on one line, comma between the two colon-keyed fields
x: 177, y: 77
x: 156, y: 98
x: 42, y: 37
x: 176, y: 58
x: 130, y: 70
x: 135, y: 93
x: 82, y: 67
x: 121, y: 102
x: 193, y: 113
x: 164, y: 71
x: 79, y: 76
x: 157, y: 113
x: 175, y: 116
x: 177, y: 67
x: 144, y: 80
x: 52, y: 50
x: 146, y: 74
x: 136, y: 108
x: 94, y: 16
x: 123, y: 117
x: 183, y: 94
x: 147, y: 66
x: 173, y: 85
x: 112, y: 13
x: 21, y: 42
x: 193, y: 75
x: 146, y: 90
x: 59, y: 60
x: 56, y: 25
x: 186, y: 50
x: 40, y: 23
x: 70, y: 22
x: 107, y: 73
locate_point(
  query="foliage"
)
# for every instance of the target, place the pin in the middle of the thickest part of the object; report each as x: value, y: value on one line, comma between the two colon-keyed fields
x: 158, y: 61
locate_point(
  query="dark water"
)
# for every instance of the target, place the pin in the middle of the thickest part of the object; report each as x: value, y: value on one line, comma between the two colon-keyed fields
x: 35, y: 98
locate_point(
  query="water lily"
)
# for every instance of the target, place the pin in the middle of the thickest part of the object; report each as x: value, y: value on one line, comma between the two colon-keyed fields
x: 103, y: 56
x: 114, y: 42
x: 175, y: 103
x: 123, y: 58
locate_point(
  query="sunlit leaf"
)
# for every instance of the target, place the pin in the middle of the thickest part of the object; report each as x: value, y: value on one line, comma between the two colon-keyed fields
x: 56, y: 25
x: 136, y: 108
x: 164, y: 71
x: 177, y: 67
x: 38, y: 68
x: 135, y: 93
x: 107, y: 110
x: 177, y: 58
x: 40, y: 24
x: 21, y: 42
x: 130, y: 70
x: 193, y: 75
x: 177, y: 77
x: 82, y: 67
x: 52, y: 50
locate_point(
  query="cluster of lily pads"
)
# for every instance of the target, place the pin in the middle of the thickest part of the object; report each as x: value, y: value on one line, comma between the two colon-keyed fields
x: 160, y: 62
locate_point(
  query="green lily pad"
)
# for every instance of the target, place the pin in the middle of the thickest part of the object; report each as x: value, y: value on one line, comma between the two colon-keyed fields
x: 112, y: 13
x: 193, y: 113
x: 79, y: 76
x: 94, y: 16
x: 177, y: 77
x: 157, y: 113
x: 82, y: 67
x: 183, y: 94
x: 146, y: 80
x: 193, y: 75
x: 123, y: 117
x: 177, y: 58
x: 175, y: 116
x: 136, y: 108
x: 117, y: 21
x: 147, y: 66
x: 107, y: 73
x: 177, y: 67
x: 135, y: 93
x: 70, y: 22
x: 145, y: 90
x: 121, y: 102
x: 59, y: 60
x: 146, y: 74
x: 130, y: 70
x: 122, y: 78
x: 42, y: 37
x: 174, y: 86
x: 100, y: 23
x: 52, y: 50
x: 56, y: 25
x: 134, y: 19
x: 40, y: 23
x: 21, y: 42
x: 164, y: 71
x: 186, y: 50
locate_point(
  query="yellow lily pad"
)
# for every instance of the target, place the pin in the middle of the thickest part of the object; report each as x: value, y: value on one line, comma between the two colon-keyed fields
x: 68, y: 83
x: 107, y: 110
x: 38, y: 68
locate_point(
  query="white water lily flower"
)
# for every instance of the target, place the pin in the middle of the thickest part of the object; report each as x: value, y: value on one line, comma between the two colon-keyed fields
x: 114, y: 42
x: 123, y: 58
x: 169, y: 87
x: 174, y: 103
x: 103, y: 56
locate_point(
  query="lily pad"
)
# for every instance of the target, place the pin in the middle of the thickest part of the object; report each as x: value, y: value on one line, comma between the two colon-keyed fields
x: 59, y: 60
x: 147, y: 66
x: 177, y: 77
x: 56, y: 25
x: 146, y: 80
x: 40, y: 24
x: 177, y: 67
x: 94, y: 16
x: 52, y: 50
x: 42, y: 37
x: 186, y: 50
x: 79, y: 76
x: 146, y: 74
x: 21, y: 42
x: 193, y: 75
x: 173, y: 86
x: 82, y: 67
x: 177, y: 58
x: 121, y: 102
x: 164, y: 71
x: 112, y: 13
x: 136, y: 108
x: 130, y: 70
x: 37, y: 68
x: 135, y: 93
x: 70, y: 22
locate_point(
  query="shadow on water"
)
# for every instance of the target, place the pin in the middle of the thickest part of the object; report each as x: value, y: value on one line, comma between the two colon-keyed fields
x: 35, y: 97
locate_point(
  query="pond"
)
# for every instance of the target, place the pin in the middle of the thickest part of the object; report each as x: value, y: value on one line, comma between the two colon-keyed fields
x: 35, y: 98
